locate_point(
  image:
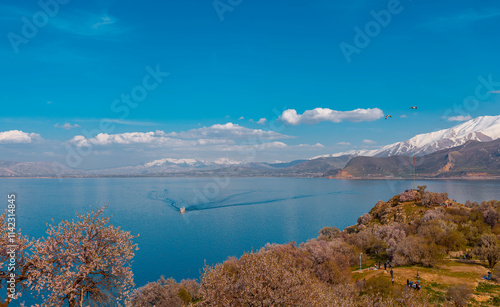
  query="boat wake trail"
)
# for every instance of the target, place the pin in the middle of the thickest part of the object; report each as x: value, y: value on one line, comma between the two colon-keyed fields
x: 227, y: 201
x: 222, y: 204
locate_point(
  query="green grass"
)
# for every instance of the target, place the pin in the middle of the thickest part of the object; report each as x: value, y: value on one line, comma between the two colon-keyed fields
x: 438, y: 285
x: 486, y: 287
x: 435, y: 296
x: 368, y: 263
x: 495, y: 301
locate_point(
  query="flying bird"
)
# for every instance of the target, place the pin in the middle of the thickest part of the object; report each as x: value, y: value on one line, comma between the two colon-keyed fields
x: 413, y: 108
x: 387, y: 116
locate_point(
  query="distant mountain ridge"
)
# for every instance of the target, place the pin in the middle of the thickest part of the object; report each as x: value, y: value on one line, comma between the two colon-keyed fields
x: 482, y: 129
x: 34, y: 169
x: 471, y: 160
x: 351, y: 164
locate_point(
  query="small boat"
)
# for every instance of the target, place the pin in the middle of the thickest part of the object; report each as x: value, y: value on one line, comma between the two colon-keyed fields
x: 182, y: 210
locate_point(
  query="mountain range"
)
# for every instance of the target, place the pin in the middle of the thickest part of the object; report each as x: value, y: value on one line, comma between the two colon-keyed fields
x: 482, y: 129
x: 468, y: 148
x: 472, y: 160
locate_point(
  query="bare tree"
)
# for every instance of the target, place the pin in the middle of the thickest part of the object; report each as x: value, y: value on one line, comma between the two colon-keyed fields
x: 460, y: 294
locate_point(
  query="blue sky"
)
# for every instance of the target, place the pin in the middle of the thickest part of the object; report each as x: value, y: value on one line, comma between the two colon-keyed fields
x: 229, y: 62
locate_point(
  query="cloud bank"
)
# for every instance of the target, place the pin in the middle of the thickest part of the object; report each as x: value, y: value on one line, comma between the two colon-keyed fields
x: 291, y: 117
x: 18, y: 137
x: 459, y: 118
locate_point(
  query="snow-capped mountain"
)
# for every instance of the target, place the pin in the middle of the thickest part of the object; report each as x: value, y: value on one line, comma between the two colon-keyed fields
x: 168, y: 165
x: 190, y: 162
x: 482, y: 129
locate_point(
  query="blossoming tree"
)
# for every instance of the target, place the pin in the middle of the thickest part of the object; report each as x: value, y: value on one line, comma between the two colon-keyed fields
x: 82, y: 263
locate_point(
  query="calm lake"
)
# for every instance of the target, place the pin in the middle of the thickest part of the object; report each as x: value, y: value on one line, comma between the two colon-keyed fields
x: 224, y: 217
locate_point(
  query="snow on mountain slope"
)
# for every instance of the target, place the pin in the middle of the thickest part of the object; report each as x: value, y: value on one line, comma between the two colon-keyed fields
x: 190, y: 162
x: 482, y: 129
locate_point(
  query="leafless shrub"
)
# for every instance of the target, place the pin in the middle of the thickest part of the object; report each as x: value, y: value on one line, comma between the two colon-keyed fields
x: 365, y: 219
x: 460, y: 294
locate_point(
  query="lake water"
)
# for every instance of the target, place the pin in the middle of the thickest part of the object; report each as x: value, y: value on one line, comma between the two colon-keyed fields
x: 225, y: 216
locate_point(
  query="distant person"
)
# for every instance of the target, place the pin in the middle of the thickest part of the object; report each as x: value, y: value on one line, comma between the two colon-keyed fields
x: 407, y: 282
x: 487, y: 277
x: 417, y: 274
x: 393, y: 281
x: 385, y: 266
x: 392, y: 273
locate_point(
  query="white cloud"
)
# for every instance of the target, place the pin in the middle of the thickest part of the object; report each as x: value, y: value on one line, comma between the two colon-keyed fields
x: 262, y: 121
x: 18, y: 137
x: 226, y: 134
x: 317, y: 115
x: 459, y: 118
x: 403, y: 116
x: 369, y: 142
x: 228, y: 130
x: 241, y: 118
x: 343, y: 143
x: 317, y: 145
x: 156, y: 138
x: 66, y: 126
x: 494, y: 92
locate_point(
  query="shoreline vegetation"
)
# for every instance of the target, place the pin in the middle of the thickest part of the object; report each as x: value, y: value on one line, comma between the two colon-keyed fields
x: 419, y: 248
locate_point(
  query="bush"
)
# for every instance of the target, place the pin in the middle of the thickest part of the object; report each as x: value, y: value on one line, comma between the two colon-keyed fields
x: 265, y: 278
x: 367, y: 242
x: 460, y: 294
x: 365, y: 219
x: 436, y: 214
x: 328, y: 263
x: 416, y: 250
x: 409, y: 195
x: 328, y: 233
x: 164, y: 292
x: 488, y: 248
x: 379, y: 286
x: 431, y: 198
x: 453, y: 241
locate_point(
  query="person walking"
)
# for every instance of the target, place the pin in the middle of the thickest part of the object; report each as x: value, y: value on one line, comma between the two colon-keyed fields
x: 392, y: 273
x: 385, y: 266
x: 393, y: 281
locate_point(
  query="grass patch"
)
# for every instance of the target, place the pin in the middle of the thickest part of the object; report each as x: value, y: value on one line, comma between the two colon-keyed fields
x: 486, y: 287
x: 438, y: 285
x: 495, y: 301
x: 368, y: 264
x: 435, y: 296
